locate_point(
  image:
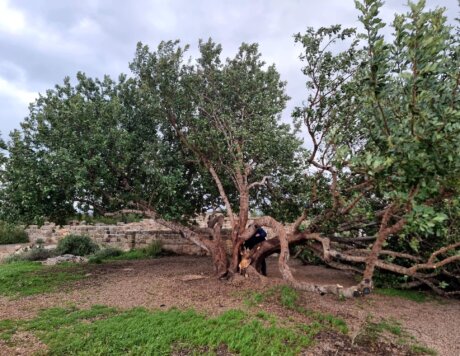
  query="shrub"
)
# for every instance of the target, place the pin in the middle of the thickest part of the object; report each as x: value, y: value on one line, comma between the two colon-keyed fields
x: 154, y: 249
x: 105, y: 253
x: 12, y: 234
x: 36, y: 253
x: 78, y: 245
x: 151, y: 251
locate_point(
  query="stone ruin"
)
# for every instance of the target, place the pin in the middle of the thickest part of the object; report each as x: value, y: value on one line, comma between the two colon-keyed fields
x: 123, y: 236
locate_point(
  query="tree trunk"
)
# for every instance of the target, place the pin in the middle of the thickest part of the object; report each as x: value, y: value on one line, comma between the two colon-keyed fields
x: 371, y: 261
x: 239, y: 230
x: 217, y: 247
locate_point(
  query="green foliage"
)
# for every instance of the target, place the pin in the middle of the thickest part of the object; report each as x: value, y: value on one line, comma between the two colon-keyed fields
x: 105, y: 254
x: 306, y: 256
x: 12, y: 234
x: 78, y: 245
x: 109, y: 220
x: 137, y: 254
x: 226, y: 114
x: 3, y: 158
x: 153, y: 250
x: 383, y: 116
x: 415, y: 296
x: 28, y: 278
x: 102, y: 330
x: 99, y: 144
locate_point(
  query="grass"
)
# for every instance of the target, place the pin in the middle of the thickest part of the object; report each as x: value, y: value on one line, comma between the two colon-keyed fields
x: 373, y: 332
x: 28, y: 278
x: 8, y: 328
x: 106, y: 331
x: 422, y: 350
x: 415, y: 296
x: 153, y: 250
x: 289, y: 298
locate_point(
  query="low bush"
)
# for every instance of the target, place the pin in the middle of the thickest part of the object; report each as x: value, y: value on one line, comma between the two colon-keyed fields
x: 36, y: 253
x: 151, y: 251
x: 104, y: 254
x: 78, y: 245
x: 154, y: 249
x: 12, y: 234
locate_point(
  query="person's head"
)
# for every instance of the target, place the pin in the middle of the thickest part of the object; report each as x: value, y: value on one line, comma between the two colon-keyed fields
x: 256, y: 226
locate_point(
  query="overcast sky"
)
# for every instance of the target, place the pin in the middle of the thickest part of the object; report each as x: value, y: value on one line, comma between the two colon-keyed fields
x: 42, y: 41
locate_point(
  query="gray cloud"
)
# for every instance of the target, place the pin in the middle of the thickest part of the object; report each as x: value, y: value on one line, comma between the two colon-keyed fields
x: 42, y: 41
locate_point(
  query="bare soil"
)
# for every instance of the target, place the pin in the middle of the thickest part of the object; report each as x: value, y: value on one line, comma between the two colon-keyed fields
x: 188, y: 282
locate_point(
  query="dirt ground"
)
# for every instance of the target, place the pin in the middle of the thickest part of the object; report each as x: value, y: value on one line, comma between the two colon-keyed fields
x: 188, y: 282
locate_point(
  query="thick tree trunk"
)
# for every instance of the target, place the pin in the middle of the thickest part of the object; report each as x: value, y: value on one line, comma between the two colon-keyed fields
x: 284, y: 257
x: 239, y: 231
x: 217, y: 248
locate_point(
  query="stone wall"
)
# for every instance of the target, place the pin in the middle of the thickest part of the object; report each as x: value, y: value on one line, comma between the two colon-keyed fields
x: 126, y: 236
x: 123, y: 236
x: 7, y: 250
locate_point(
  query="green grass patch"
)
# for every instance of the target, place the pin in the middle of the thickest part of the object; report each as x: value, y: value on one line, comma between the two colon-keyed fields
x: 28, y: 278
x: 153, y: 250
x: 415, y: 296
x: 8, y: 328
x: 422, y: 350
x: 289, y: 299
x: 373, y: 331
x: 106, y: 331
x: 387, y: 330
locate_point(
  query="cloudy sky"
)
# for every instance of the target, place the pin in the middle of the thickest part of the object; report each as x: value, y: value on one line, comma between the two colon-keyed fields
x: 42, y: 41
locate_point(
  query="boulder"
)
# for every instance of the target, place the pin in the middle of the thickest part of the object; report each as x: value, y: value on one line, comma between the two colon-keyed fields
x: 64, y: 258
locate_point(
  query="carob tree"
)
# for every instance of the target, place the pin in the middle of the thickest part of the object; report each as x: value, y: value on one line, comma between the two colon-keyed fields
x: 227, y: 116
x: 383, y: 119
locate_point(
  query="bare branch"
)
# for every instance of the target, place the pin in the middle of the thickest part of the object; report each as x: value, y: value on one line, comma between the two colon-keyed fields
x: 442, y: 250
x: 256, y: 184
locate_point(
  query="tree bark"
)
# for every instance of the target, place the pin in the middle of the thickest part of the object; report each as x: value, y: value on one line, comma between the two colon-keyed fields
x: 384, y: 232
x: 217, y: 248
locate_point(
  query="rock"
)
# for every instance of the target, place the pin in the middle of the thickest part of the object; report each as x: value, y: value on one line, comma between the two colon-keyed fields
x: 192, y: 277
x: 64, y: 258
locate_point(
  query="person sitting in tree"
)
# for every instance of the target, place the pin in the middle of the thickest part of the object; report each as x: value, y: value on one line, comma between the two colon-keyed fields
x: 259, y: 236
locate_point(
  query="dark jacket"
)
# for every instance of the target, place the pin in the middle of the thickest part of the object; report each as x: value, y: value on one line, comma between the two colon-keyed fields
x: 259, y: 236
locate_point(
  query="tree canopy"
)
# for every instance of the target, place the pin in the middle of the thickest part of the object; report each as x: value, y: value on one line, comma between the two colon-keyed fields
x: 93, y: 144
x: 383, y: 117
